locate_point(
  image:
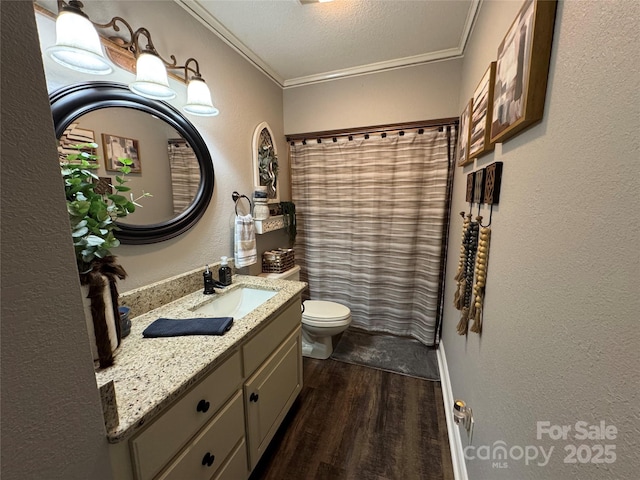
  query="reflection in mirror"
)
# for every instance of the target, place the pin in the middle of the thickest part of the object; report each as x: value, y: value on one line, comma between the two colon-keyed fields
x: 164, y: 163
x: 71, y: 107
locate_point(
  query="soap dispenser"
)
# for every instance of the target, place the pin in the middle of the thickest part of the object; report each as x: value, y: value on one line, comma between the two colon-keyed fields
x: 208, y: 282
x: 224, y: 274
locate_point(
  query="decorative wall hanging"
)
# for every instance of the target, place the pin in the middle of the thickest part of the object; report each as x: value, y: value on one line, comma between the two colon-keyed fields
x: 464, y: 277
x: 72, y: 136
x: 483, y: 186
x: 470, y: 187
x: 480, y: 136
x: 463, y: 136
x: 116, y: 147
x: 103, y: 186
x: 265, y: 162
x: 492, y: 183
x: 480, y: 271
x: 478, y: 189
x: 522, y: 69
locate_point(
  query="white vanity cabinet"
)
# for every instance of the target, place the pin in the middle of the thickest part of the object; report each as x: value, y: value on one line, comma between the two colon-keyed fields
x: 220, y: 427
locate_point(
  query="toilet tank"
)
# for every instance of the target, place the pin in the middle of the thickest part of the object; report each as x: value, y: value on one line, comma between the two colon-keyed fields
x: 291, y: 274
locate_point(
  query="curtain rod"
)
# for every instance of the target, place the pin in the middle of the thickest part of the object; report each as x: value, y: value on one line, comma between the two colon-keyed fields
x: 440, y: 122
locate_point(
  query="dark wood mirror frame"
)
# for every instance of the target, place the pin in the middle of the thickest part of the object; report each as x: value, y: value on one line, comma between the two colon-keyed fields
x: 71, y: 102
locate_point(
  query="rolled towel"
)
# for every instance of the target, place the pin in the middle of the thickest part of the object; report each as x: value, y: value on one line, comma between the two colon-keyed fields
x: 168, y: 327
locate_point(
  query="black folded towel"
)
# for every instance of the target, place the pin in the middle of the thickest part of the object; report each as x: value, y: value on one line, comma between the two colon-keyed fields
x: 167, y: 327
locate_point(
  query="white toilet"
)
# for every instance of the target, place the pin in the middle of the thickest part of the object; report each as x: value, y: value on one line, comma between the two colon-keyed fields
x: 321, y: 320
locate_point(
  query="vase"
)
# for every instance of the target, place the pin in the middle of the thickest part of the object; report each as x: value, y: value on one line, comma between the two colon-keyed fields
x: 107, y: 321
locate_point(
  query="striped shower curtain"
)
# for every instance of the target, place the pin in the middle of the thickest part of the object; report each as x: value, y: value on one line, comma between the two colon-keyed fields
x: 370, y: 215
x: 185, y: 174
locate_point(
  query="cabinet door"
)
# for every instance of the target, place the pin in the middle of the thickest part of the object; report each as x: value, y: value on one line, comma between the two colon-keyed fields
x: 269, y: 393
x: 236, y: 466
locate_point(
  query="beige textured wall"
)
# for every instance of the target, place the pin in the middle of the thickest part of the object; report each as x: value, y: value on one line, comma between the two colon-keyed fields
x: 52, y: 423
x: 152, y: 135
x: 407, y: 94
x: 560, y: 325
x: 245, y: 98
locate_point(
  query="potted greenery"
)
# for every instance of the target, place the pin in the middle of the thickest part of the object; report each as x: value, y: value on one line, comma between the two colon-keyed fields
x: 93, y: 210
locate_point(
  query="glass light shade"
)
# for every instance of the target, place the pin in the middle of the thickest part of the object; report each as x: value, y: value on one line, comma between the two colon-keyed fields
x: 78, y: 45
x: 199, y: 99
x: 151, y: 78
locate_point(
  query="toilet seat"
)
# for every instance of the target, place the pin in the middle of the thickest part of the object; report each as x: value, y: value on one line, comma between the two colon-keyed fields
x: 320, y: 313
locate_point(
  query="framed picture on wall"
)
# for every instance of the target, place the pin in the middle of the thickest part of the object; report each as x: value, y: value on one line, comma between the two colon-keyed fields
x: 74, y: 135
x: 463, y: 136
x: 116, y: 147
x: 521, y: 70
x: 480, y: 135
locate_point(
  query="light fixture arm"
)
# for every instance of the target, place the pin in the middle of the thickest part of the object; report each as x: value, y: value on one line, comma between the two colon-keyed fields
x: 150, y: 48
x: 187, y: 69
x: 112, y: 24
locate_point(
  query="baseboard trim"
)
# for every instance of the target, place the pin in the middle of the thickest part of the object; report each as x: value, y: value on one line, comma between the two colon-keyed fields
x: 455, y: 441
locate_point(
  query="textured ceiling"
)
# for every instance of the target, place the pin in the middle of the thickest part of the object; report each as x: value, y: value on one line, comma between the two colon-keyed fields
x: 297, y: 44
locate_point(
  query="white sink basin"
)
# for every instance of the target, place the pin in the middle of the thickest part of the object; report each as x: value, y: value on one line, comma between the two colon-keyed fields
x: 236, y: 303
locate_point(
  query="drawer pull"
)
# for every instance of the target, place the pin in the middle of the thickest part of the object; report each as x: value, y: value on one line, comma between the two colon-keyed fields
x: 253, y: 397
x: 208, y: 459
x: 202, y: 406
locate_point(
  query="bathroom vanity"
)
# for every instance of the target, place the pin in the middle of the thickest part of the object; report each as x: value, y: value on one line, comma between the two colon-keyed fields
x: 205, y: 407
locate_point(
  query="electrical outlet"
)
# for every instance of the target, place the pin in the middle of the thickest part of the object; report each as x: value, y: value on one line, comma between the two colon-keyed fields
x: 468, y: 426
x: 462, y: 414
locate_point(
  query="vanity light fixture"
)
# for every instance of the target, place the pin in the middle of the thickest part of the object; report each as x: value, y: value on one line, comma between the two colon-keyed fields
x: 77, y: 42
x: 151, y: 69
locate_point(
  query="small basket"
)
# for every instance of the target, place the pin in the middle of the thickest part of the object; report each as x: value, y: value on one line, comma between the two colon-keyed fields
x: 278, y: 261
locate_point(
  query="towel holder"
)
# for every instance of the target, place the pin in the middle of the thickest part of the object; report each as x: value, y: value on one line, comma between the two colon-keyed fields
x: 236, y: 196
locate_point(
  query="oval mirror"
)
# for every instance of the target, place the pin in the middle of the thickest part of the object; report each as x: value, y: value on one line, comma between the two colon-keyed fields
x: 171, y: 160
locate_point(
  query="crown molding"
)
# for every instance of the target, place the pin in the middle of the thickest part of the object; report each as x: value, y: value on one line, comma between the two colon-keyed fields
x: 376, y: 67
x: 196, y: 10
x: 205, y: 18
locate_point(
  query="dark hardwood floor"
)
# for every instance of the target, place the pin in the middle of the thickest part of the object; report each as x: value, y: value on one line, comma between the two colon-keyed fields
x: 354, y: 422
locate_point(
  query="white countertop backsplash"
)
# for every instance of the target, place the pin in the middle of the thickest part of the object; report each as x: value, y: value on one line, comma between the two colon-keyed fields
x: 150, y: 373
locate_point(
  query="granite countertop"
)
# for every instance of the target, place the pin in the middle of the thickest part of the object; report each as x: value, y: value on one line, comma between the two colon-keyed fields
x: 150, y: 373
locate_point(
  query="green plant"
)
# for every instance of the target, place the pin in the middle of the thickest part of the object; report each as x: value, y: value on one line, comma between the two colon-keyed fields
x: 93, y: 214
x: 289, y: 214
x: 268, y: 169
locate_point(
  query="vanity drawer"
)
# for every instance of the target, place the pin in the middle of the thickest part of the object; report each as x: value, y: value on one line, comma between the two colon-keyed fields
x: 209, y: 450
x: 256, y: 350
x: 163, y: 438
x: 236, y: 466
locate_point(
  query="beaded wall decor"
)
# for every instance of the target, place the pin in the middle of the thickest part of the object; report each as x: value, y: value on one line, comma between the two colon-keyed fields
x: 483, y: 186
x: 458, y: 299
x: 482, y: 258
x: 466, y: 267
